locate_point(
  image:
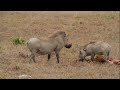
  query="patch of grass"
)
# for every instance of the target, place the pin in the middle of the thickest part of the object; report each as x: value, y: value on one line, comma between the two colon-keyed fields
x: 17, y: 67
x: 18, y: 40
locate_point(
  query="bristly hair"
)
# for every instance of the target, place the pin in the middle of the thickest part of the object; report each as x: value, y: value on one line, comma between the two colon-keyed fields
x: 84, y: 46
x: 56, y: 33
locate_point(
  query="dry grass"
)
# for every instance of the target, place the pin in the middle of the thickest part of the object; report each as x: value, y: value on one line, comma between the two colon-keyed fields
x: 82, y: 28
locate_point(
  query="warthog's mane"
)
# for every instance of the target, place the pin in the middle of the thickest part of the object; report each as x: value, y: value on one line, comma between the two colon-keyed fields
x: 55, y: 34
x: 52, y: 36
x: 92, y: 42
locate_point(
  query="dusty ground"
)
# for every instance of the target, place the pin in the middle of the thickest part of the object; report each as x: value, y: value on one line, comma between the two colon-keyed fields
x: 82, y: 28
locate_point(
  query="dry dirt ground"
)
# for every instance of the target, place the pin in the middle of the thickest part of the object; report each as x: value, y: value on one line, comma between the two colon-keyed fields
x: 82, y: 28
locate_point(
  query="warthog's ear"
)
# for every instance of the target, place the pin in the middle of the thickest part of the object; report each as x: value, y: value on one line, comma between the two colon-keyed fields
x: 67, y: 35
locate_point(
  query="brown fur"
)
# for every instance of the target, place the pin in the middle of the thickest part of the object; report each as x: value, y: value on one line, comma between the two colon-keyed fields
x: 99, y: 58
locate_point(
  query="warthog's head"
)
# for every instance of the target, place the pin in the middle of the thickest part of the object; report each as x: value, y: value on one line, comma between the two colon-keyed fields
x: 66, y: 43
x: 82, y: 55
x: 62, y: 36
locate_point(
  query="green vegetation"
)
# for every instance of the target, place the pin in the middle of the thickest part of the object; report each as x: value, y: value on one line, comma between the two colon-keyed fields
x: 18, y: 40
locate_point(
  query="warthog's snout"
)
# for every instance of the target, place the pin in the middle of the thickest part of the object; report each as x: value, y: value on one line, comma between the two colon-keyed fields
x: 68, y: 45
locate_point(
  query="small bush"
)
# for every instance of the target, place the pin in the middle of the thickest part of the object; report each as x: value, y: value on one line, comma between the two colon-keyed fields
x: 18, y: 40
x: 17, y: 67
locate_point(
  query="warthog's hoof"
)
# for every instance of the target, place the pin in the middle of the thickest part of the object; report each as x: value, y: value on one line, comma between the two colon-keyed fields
x: 68, y: 46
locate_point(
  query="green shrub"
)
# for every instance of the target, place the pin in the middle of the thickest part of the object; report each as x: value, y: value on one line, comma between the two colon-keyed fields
x: 18, y: 40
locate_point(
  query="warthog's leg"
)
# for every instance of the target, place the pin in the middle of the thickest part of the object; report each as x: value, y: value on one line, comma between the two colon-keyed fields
x: 32, y: 56
x: 57, y: 55
x: 92, y: 56
x: 49, y: 56
x: 81, y: 59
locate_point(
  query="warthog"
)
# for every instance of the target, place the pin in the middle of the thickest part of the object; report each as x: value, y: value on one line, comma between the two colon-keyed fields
x: 94, y: 48
x: 53, y: 43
